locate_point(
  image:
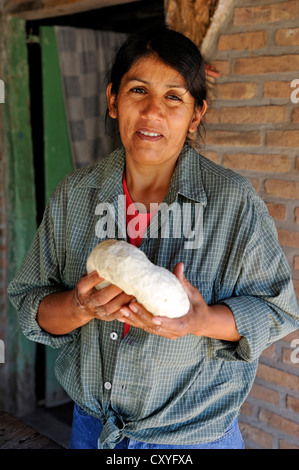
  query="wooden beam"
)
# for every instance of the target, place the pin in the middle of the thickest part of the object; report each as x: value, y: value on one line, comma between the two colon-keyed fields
x: 39, y: 9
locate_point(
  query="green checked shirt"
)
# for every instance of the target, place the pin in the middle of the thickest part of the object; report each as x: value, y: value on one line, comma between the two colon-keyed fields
x: 143, y: 386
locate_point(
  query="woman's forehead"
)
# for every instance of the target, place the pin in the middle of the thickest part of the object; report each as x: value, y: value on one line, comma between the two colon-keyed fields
x: 152, y: 67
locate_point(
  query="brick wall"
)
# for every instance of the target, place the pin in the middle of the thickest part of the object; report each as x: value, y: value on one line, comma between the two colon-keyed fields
x: 253, y: 128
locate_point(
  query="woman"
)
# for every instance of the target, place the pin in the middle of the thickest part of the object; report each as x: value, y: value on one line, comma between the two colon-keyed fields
x: 132, y: 384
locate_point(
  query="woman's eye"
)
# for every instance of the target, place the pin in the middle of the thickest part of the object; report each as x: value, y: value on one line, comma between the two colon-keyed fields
x: 174, y: 98
x: 137, y: 90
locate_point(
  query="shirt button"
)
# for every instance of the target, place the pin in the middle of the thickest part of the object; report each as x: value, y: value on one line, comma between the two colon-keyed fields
x: 107, y: 385
x: 114, y: 335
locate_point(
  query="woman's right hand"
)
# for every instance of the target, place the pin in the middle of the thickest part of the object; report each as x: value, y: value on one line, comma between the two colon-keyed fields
x: 62, y: 312
x: 104, y: 304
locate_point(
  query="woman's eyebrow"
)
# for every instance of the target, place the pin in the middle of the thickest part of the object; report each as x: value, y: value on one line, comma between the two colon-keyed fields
x: 172, y: 85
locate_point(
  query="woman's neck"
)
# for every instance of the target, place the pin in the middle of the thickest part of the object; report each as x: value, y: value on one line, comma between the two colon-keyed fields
x: 148, y: 184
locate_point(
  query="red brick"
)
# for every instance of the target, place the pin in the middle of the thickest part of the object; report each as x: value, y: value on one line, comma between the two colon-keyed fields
x: 212, y: 116
x: 236, y: 90
x: 256, y: 183
x: 266, y: 13
x: 266, y: 64
x: 250, y: 40
x: 265, y: 394
x: 256, y: 162
x: 247, y: 409
x: 269, y: 352
x: 221, y: 66
x: 282, y: 188
x: 297, y: 163
x: 296, y: 287
x: 296, y: 214
x: 296, y: 263
x: 277, y: 89
x: 254, y: 434
x: 288, y: 238
x: 212, y: 156
x: 278, y: 377
x: 277, y: 211
x: 292, y: 403
x: 252, y: 114
x: 295, y: 115
x: 287, y: 37
x: 285, y: 425
x: 283, y: 444
x: 233, y: 138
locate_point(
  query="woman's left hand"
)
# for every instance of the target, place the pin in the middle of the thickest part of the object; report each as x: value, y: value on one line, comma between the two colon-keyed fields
x: 171, y: 328
x: 214, y: 321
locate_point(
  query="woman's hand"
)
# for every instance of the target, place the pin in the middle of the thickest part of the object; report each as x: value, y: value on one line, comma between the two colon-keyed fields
x: 104, y: 304
x: 216, y: 321
x: 62, y: 312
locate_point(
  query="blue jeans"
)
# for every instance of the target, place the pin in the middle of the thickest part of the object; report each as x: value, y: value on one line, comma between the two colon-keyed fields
x: 86, y: 430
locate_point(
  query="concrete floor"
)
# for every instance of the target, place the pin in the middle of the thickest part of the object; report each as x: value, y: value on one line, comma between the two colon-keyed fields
x: 54, y: 423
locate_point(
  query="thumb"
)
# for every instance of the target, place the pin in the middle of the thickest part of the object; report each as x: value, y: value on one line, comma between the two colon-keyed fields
x: 178, y: 271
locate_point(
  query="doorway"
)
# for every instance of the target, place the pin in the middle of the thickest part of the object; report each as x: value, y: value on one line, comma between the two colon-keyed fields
x: 124, y: 18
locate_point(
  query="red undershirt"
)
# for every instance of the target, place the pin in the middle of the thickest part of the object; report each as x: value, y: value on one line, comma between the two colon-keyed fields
x: 140, y: 226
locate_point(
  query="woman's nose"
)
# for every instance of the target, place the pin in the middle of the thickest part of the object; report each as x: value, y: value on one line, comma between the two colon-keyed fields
x: 153, y: 107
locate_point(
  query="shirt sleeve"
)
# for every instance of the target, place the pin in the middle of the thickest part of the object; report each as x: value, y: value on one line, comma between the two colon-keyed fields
x: 264, y: 304
x: 39, y: 276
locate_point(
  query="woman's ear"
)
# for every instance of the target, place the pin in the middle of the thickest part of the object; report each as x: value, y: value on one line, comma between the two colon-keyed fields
x: 111, y: 101
x: 197, y: 116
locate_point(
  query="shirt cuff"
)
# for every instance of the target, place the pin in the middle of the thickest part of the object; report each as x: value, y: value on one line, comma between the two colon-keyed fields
x: 31, y: 328
x: 252, y: 322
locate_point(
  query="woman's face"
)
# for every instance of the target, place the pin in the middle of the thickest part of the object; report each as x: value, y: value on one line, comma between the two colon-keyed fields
x: 155, y: 112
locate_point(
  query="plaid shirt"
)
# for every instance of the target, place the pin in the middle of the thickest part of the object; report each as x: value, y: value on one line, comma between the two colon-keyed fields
x: 143, y: 386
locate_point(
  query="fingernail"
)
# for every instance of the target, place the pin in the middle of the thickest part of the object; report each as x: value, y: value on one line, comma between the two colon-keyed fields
x: 133, y: 308
x: 124, y: 312
x: 156, y: 321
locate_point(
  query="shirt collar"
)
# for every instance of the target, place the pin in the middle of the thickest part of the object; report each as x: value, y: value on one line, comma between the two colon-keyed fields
x: 186, y: 179
x: 106, y: 176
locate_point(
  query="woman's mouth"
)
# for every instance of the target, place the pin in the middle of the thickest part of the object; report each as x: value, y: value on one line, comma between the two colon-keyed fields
x: 149, y: 135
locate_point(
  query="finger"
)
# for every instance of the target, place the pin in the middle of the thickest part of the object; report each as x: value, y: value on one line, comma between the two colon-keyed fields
x: 138, y: 316
x: 116, y: 304
x: 88, y: 282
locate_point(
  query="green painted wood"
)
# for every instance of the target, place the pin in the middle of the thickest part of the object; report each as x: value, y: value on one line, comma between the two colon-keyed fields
x: 19, y: 395
x: 58, y: 156
x: 57, y: 160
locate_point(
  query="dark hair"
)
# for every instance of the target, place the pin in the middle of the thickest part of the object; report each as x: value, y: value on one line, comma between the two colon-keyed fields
x: 170, y: 46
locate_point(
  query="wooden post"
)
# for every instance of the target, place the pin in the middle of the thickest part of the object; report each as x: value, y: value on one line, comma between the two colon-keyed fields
x: 19, y: 368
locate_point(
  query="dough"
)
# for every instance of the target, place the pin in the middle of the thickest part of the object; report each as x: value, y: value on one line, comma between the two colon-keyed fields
x: 127, y: 267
